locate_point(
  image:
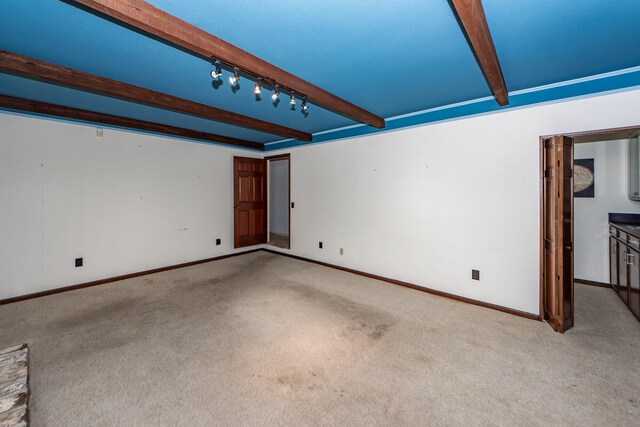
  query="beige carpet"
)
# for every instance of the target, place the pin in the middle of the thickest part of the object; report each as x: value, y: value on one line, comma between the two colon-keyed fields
x: 262, y: 339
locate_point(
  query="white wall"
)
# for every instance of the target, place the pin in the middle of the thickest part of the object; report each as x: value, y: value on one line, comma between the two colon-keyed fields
x: 279, y: 197
x: 423, y: 205
x: 125, y: 202
x: 591, y: 215
x: 428, y: 204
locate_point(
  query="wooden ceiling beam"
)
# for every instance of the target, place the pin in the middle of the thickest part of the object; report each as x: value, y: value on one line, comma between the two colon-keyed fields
x: 34, y: 68
x: 150, y: 19
x: 21, y: 104
x: 474, y: 24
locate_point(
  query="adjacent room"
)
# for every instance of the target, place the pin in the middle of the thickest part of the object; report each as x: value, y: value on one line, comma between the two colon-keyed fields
x: 606, y: 226
x: 278, y: 201
x: 319, y: 213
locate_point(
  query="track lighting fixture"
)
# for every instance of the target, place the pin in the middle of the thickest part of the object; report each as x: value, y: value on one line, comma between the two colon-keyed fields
x: 235, y: 78
x: 217, y: 71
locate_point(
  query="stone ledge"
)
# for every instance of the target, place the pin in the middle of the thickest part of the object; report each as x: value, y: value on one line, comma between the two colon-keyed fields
x: 14, y: 386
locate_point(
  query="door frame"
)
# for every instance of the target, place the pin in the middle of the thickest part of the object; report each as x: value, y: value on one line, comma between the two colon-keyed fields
x: 287, y: 157
x: 584, y: 134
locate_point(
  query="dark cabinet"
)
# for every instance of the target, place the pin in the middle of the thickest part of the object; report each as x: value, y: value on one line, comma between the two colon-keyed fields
x: 624, y: 267
x: 613, y: 262
x: 622, y: 272
x: 634, y: 281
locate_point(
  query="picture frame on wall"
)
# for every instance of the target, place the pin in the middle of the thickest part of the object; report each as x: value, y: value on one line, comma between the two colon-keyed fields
x: 584, y: 178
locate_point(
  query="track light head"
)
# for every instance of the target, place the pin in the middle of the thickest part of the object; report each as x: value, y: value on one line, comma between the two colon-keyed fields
x: 276, y: 94
x: 216, y: 73
x: 257, y: 89
x: 235, y: 78
x: 304, y: 105
x: 293, y: 99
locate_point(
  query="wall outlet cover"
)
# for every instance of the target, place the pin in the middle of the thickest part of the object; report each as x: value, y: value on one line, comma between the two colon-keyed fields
x: 475, y: 274
x: 79, y: 262
x: 320, y: 245
x: 218, y: 241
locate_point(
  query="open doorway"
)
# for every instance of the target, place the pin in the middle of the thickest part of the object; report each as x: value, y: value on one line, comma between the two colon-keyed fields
x: 279, y: 194
x: 587, y: 250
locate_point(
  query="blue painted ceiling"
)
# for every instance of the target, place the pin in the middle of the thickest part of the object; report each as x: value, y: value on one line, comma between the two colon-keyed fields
x: 391, y: 58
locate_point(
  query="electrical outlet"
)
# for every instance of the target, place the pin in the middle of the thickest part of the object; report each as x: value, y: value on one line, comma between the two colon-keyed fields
x: 341, y: 251
x: 475, y: 274
x: 79, y: 262
x: 293, y: 205
x: 218, y: 241
x: 320, y: 245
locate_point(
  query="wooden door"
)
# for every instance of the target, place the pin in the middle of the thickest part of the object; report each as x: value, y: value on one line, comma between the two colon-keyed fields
x: 249, y: 201
x: 558, y: 232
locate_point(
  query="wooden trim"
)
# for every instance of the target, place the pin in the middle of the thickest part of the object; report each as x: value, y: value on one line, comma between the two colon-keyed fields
x: 34, y: 68
x: 117, y: 278
x: 542, y: 218
x: 22, y: 104
x: 474, y: 24
x: 278, y: 157
x: 412, y: 286
x: 598, y: 132
x: 152, y: 20
x: 591, y: 283
x: 289, y: 195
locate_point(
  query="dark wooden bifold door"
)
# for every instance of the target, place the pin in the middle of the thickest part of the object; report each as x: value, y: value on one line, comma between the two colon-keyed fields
x: 558, y: 232
x: 249, y: 201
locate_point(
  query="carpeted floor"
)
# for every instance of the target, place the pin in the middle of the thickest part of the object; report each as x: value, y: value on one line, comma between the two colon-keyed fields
x: 262, y: 339
x: 279, y: 240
